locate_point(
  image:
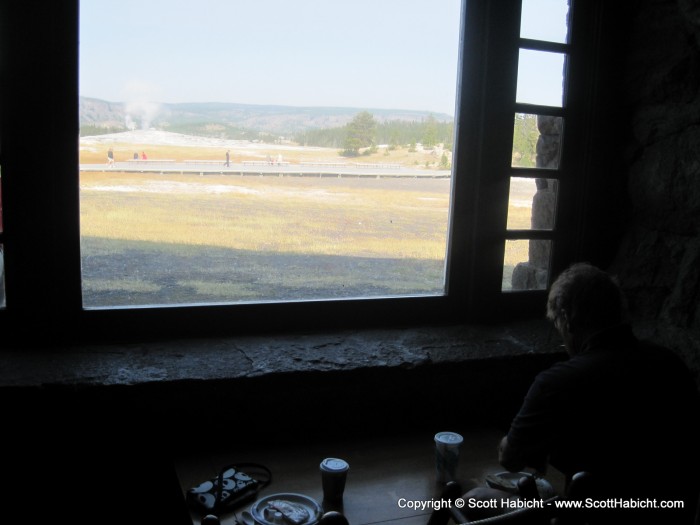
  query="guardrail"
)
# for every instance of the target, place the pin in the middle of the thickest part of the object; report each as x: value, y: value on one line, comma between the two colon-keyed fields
x: 264, y: 163
x: 319, y: 169
x: 380, y: 166
x: 325, y: 164
x: 151, y: 163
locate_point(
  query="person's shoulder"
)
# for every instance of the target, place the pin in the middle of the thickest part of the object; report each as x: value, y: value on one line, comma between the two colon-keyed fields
x: 563, y: 374
x: 580, y: 370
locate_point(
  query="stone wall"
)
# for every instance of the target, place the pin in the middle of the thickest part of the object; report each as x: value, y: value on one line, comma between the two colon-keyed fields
x: 658, y: 261
x: 533, y: 274
x: 653, y: 84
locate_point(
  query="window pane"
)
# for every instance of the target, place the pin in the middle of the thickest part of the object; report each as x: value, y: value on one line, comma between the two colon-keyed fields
x: 526, y: 265
x: 540, y: 78
x: 265, y: 161
x: 545, y: 20
x: 532, y: 203
x: 536, y: 141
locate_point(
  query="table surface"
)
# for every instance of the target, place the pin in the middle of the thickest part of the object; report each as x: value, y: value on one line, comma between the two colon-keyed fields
x: 384, y: 472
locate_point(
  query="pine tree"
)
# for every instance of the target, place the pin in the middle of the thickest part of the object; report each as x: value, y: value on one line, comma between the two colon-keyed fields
x: 360, y: 133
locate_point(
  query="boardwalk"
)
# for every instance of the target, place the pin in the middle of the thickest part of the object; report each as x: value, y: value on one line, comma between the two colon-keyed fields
x: 209, y: 167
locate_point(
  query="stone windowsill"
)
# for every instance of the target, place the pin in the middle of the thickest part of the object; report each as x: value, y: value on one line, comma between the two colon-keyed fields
x: 258, y: 356
x: 383, y: 380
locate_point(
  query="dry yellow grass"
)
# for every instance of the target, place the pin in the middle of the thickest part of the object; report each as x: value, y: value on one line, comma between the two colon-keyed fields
x: 285, y: 214
x: 290, y: 215
x: 401, y: 219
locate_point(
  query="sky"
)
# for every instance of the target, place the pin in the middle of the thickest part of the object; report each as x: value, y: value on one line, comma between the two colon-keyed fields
x: 389, y: 54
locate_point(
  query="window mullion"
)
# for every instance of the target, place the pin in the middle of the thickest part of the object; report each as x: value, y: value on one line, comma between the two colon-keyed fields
x: 501, y: 68
x: 541, y: 45
x: 534, y: 109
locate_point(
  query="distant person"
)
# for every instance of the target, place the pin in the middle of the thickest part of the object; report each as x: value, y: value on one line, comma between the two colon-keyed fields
x: 623, y: 410
x: 228, y: 159
x: 136, y: 155
x: 143, y: 156
x: 110, y: 157
x: 279, y: 159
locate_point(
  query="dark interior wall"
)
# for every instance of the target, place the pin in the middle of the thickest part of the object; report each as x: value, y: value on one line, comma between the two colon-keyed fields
x: 658, y: 260
x: 656, y: 71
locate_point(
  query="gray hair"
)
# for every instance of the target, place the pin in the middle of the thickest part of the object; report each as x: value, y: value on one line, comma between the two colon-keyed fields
x: 591, y: 298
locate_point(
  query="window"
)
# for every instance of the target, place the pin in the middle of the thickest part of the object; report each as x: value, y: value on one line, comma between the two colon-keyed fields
x: 283, y: 151
x: 530, y: 157
x: 538, y: 132
x: 496, y: 188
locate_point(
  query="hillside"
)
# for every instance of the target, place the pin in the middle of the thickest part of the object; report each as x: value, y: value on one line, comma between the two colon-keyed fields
x: 227, y: 120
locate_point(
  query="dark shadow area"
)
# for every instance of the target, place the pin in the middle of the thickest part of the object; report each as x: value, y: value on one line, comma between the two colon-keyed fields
x: 105, y: 454
x: 127, y: 273
x: 79, y: 457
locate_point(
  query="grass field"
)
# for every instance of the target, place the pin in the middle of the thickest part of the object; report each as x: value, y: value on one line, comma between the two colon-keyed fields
x: 173, y: 239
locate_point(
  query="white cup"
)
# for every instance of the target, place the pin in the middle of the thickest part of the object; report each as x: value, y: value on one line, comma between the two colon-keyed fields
x: 334, y: 472
x: 447, y: 446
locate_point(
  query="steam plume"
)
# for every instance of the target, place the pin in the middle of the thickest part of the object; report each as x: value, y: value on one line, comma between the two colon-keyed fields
x: 140, y: 107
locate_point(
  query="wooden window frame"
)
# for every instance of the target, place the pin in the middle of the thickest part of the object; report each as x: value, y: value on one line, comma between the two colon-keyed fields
x: 39, y: 106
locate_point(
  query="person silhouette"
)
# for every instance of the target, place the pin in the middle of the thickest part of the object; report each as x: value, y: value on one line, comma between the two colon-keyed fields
x: 619, y: 408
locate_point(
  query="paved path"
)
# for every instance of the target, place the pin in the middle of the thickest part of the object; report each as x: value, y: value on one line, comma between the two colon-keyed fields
x: 298, y: 170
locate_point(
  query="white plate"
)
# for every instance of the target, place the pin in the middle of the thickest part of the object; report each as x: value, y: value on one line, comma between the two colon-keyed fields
x: 309, y: 511
x: 509, y: 482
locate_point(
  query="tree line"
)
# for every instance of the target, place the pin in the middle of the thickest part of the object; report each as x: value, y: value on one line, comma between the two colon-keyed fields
x: 525, y: 136
x: 364, y: 131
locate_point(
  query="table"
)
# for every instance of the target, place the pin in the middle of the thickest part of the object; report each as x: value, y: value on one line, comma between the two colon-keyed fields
x: 385, y: 472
